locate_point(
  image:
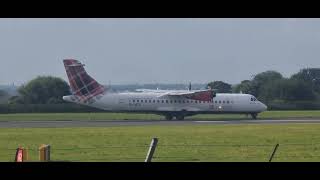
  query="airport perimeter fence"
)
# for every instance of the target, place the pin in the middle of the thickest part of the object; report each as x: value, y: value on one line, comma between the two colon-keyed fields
x: 178, y: 153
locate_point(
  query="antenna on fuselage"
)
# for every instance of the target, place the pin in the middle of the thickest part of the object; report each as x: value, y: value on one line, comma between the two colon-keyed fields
x: 189, y: 86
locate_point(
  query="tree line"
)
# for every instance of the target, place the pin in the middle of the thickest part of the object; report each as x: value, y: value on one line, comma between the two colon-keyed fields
x: 270, y: 87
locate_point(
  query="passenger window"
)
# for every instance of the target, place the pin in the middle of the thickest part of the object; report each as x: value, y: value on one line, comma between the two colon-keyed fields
x: 133, y: 100
x: 149, y: 101
x: 219, y: 102
x: 179, y: 101
x: 175, y: 101
x: 183, y: 101
x: 158, y: 101
x: 187, y: 101
x: 162, y: 101
x: 145, y: 101
x: 227, y: 102
x: 223, y: 102
x: 170, y: 101
x: 138, y: 100
x: 195, y: 101
x: 154, y: 101
x: 167, y: 101
x: 215, y: 101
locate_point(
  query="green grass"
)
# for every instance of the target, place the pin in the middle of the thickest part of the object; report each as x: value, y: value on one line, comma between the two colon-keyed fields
x: 77, y: 116
x: 298, y: 142
x: 119, y: 116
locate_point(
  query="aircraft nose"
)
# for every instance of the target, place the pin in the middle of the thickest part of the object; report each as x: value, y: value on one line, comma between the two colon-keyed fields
x: 264, y: 107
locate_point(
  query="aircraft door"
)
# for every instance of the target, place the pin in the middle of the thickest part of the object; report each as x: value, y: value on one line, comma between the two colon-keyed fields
x: 122, y: 104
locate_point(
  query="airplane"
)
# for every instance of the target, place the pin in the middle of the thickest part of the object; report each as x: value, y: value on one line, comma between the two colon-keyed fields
x: 169, y: 103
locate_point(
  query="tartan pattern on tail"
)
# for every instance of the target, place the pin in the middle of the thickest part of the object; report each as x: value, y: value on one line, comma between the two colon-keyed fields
x: 83, y: 86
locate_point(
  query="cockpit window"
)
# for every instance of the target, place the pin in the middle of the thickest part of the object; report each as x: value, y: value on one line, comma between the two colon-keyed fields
x: 253, y: 99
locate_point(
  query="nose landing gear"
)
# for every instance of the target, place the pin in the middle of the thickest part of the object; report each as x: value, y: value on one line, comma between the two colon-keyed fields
x: 254, y: 115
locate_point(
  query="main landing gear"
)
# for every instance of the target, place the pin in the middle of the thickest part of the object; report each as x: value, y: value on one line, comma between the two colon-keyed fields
x: 169, y: 117
x: 178, y: 117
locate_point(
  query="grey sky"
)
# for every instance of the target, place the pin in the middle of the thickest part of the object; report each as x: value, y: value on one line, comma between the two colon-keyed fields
x: 158, y: 50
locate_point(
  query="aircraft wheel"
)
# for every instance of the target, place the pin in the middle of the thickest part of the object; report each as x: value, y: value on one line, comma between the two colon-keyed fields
x: 169, y: 117
x: 254, y: 115
x: 180, y: 117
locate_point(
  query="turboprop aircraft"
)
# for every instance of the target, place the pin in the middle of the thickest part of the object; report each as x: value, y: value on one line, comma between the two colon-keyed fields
x: 169, y: 103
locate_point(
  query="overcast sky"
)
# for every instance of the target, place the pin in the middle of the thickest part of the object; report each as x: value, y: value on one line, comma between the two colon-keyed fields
x: 120, y: 51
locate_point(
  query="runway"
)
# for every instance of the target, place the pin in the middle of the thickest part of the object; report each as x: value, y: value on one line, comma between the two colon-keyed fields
x: 115, y: 123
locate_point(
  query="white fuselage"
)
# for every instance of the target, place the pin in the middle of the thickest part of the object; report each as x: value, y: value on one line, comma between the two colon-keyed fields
x: 154, y: 102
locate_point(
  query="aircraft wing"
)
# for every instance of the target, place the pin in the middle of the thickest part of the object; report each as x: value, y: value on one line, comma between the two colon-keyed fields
x: 159, y: 91
x: 201, y: 95
x: 149, y: 90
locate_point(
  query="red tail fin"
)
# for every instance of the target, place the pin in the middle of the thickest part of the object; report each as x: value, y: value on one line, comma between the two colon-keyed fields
x: 82, y: 85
